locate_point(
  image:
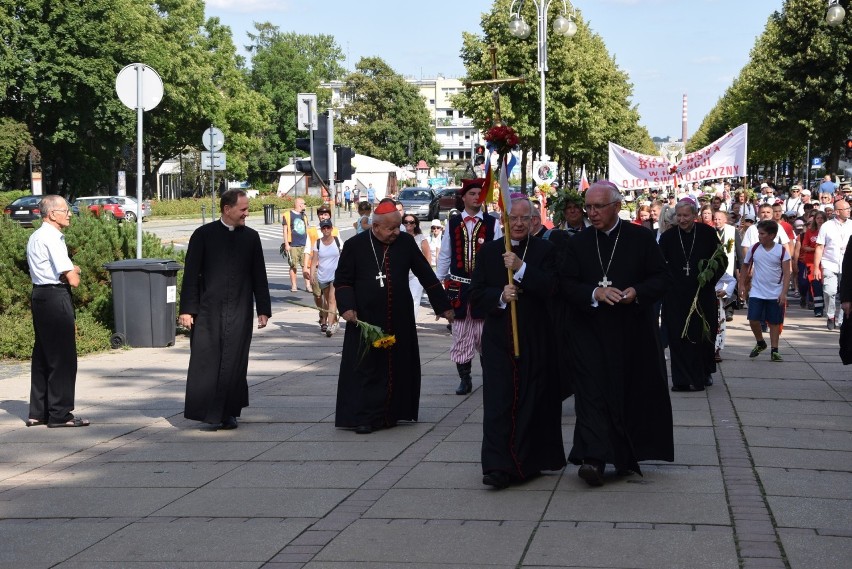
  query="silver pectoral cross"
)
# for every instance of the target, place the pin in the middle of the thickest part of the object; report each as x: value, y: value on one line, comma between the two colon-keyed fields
x: 604, y: 282
x: 686, y: 269
x: 381, y: 278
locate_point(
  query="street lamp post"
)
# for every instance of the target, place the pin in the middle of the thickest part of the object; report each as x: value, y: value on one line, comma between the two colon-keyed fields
x: 835, y: 14
x: 562, y: 25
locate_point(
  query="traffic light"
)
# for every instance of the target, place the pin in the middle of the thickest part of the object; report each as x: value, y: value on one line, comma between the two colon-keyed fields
x: 479, y: 155
x: 848, y: 149
x: 318, y: 164
x: 344, y: 155
x: 304, y: 166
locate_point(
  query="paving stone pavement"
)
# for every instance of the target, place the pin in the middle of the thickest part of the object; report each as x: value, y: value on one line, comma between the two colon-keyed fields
x: 762, y: 476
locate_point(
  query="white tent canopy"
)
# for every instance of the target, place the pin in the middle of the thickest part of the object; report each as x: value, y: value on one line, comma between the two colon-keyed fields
x: 368, y: 170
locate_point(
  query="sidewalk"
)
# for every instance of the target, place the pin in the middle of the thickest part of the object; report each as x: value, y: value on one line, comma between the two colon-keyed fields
x: 762, y: 478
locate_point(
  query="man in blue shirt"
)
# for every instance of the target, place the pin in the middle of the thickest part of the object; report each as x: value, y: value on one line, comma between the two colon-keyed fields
x: 827, y: 186
x: 371, y: 194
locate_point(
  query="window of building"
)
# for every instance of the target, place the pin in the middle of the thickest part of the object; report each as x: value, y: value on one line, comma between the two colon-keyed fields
x: 450, y: 113
x: 431, y: 101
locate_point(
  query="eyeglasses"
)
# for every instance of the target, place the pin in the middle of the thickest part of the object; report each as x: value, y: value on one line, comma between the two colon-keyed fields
x: 519, y: 218
x: 590, y: 207
x: 65, y: 211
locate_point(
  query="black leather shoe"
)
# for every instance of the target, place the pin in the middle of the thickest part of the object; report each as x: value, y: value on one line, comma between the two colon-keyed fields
x: 681, y: 388
x: 592, y: 474
x: 499, y: 480
x: 464, y: 387
x: 708, y: 381
x: 363, y: 430
x: 228, y: 423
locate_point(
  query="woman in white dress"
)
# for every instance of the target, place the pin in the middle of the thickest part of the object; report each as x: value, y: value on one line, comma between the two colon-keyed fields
x: 412, y: 227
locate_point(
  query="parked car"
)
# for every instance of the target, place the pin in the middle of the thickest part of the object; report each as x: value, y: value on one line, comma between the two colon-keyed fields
x: 129, y: 205
x: 418, y: 201
x: 107, y: 206
x: 445, y: 200
x: 24, y: 210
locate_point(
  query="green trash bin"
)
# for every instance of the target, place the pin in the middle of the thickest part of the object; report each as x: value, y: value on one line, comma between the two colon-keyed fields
x: 144, y: 293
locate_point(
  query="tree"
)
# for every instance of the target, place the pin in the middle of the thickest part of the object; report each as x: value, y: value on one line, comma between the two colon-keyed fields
x: 15, y: 145
x: 587, y: 95
x: 385, y: 115
x: 283, y: 65
x: 793, y: 89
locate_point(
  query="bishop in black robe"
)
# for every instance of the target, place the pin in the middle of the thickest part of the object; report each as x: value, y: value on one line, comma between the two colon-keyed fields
x: 522, y: 422
x: 623, y: 411
x: 692, y: 356
x: 224, y: 281
x: 382, y: 387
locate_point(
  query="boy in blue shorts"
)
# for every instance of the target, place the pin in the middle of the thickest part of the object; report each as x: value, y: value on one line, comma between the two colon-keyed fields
x: 770, y: 269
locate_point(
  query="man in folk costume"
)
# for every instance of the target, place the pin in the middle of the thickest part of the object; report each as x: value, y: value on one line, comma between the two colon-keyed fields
x: 684, y: 246
x: 224, y: 276
x: 381, y: 386
x: 465, y: 235
x: 522, y: 427
x: 612, y: 276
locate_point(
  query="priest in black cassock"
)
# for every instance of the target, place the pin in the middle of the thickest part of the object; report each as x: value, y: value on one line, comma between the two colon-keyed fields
x: 522, y: 422
x: 692, y: 356
x: 612, y: 275
x: 224, y: 279
x: 371, y: 285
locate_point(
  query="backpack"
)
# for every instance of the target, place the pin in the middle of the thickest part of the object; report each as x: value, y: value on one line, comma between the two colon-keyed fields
x: 336, y: 240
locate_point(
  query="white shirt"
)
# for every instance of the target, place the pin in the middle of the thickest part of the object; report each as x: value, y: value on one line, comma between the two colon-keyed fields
x: 47, y: 255
x: 834, y: 236
x: 767, y: 271
x: 444, y: 254
x: 328, y: 257
x: 750, y: 237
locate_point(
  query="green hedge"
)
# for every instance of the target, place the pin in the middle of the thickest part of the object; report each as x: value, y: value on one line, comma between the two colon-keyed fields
x: 92, y: 242
x: 191, y: 207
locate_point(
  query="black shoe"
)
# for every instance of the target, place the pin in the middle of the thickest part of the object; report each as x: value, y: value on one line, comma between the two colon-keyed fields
x: 228, y: 424
x: 830, y: 324
x: 708, y: 381
x: 465, y: 387
x: 363, y: 430
x: 681, y: 388
x: 499, y: 480
x: 591, y: 473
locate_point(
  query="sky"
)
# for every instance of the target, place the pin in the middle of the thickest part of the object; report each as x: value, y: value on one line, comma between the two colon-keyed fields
x: 668, y: 48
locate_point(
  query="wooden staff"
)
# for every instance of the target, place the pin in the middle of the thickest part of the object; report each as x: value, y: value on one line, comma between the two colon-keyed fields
x: 507, y: 241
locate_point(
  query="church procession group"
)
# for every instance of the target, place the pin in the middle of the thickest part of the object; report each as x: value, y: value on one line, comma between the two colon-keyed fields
x: 551, y: 313
x: 583, y: 309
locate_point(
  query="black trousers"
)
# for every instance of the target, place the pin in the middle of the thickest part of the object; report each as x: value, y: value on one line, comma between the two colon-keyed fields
x: 54, y: 362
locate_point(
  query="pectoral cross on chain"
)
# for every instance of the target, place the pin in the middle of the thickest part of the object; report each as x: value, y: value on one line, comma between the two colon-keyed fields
x: 686, y: 269
x: 495, y: 84
x: 381, y: 278
x: 604, y: 282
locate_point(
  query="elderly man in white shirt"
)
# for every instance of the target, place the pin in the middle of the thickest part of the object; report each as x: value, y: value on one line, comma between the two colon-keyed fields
x: 54, y: 359
x: 828, y: 259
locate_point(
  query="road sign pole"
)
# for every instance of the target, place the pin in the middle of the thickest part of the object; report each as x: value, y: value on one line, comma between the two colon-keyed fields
x: 139, y: 113
x: 330, y: 155
x: 311, y: 111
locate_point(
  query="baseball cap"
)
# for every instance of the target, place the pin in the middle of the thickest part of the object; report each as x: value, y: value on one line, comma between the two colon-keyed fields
x: 324, y: 209
x: 748, y: 217
x: 326, y: 223
x: 806, y: 192
x: 764, y: 185
x: 437, y: 223
x: 795, y: 187
x: 798, y: 223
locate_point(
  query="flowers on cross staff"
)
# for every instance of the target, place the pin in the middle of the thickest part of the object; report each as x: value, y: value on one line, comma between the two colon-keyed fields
x: 501, y: 138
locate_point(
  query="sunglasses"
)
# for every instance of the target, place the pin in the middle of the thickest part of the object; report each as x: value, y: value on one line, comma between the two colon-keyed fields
x: 409, y: 222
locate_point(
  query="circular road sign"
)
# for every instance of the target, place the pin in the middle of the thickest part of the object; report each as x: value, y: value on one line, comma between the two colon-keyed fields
x: 213, y: 139
x: 126, y: 86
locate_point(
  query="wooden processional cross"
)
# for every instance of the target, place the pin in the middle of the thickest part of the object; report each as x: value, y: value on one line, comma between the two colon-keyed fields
x: 495, y: 84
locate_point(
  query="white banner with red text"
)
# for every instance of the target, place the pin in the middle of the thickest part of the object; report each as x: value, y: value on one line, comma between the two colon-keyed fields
x: 724, y: 158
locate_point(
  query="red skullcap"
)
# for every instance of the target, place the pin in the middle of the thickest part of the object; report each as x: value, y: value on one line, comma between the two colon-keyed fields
x: 385, y: 207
